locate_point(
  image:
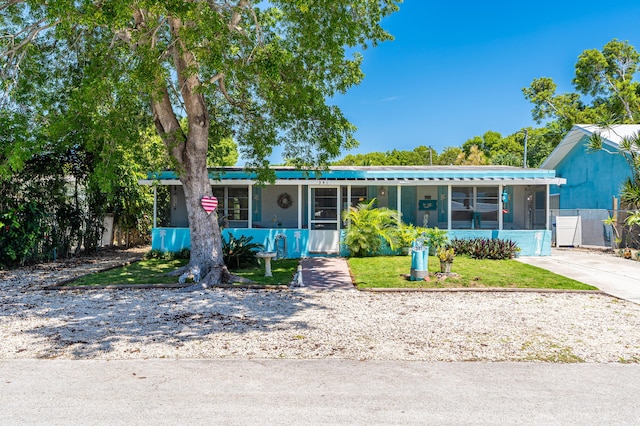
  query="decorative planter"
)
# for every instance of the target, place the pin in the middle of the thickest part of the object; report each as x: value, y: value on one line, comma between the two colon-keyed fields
x: 445, y: 267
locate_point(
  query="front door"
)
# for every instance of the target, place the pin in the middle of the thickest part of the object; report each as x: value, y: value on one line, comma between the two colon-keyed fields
x: 324, y: 220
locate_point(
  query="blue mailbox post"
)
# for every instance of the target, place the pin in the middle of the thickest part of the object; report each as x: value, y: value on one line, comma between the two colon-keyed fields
x: 419, y: 260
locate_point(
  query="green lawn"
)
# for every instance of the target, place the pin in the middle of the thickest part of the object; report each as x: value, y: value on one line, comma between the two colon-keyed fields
x: 386, y: 272
x: 153, y: 271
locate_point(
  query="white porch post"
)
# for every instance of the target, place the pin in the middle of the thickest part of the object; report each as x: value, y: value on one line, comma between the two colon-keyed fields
x: 399, y: 200
x: 155, y: 206
x: 250, y: 207
x: 348, y: 202
x: 500, y: 208
x: 309, y: 201
x: 449, y: 215
x: 300, y: 199
x: 547, y: 209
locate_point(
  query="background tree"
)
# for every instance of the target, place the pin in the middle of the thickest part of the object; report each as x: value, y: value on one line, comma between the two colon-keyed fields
x: 260, y: 73
x: 606, y: 93
x: 475, y: 157
x: 449, y: 155
x: 607, y: 76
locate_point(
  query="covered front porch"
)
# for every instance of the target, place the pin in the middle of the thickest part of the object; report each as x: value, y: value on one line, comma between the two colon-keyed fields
x: 300, y: 214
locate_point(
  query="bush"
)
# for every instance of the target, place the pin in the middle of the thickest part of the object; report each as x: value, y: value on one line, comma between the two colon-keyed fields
x: 184, y: 253
x: 436, y: 239
x: 484, y: 248
x: 241, y: 251
x: 369, y: 227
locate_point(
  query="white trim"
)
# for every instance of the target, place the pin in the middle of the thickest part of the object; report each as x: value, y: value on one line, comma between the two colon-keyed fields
x: 155, y: 206
x: 449, y: 216
x: 500, y: 208
x: 373, y: 182
x: 547, y: 210
x: 300, y: 200
x: 399, y: 199
x: 250, y: 207
x: 348, y: 202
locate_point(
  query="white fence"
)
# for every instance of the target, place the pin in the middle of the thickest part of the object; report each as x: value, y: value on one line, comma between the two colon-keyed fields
x: 586, y: 227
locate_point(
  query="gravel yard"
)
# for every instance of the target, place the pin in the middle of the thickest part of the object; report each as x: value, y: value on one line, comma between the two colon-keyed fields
x: 241, y: 324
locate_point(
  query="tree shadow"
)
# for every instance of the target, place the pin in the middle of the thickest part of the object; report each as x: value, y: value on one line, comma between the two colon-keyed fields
x: 95, y: 323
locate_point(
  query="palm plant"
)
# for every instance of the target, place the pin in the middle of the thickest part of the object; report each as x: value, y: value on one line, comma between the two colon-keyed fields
x: 368, y: 227
x: 629, y: 148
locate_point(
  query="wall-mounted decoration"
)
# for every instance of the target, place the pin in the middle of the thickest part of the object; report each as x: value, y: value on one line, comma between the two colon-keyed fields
x: 428, y: 205
x: 285, y: 201
x: 209, y: 204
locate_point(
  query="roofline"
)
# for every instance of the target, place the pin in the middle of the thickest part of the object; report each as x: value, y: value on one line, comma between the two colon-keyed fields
x: 571, y: 139
x: 403, y: 176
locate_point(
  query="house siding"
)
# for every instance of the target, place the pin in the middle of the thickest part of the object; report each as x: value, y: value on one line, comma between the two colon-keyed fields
x: 593, y: 179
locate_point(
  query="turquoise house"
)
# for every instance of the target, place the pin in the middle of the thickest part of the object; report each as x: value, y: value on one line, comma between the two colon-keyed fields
x: 593, y: 180
x: 300, y: 214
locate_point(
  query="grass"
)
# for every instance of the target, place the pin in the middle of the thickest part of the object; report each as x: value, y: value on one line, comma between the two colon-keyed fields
x: 282, y: 271
x: 154, y: 271
x: 387, y: 271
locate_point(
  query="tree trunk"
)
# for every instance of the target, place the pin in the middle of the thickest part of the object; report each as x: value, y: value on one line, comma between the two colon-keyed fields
x: 190, y: 154
x: 206, y: 239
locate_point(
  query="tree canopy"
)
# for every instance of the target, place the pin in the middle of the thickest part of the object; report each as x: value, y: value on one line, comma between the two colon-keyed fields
x: 260, y: 74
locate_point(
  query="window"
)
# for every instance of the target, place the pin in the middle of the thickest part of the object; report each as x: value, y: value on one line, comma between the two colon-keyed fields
x: 238, y: 203
x: 324, y: 210
x: 358, y: 195
x: 487, y: 203
x: 233, y: 202
x: 474, y: 207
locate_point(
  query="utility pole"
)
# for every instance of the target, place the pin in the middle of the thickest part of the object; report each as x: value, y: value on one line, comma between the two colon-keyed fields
x: 526, y: 136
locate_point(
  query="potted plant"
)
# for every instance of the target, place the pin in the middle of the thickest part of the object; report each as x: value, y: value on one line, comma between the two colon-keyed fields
x: 446, y: 256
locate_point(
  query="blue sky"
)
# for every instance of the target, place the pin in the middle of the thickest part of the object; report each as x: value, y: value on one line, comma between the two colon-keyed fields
x: 456, y: 69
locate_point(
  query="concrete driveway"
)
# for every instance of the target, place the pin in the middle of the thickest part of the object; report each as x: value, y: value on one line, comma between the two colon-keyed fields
x: 614, y: 275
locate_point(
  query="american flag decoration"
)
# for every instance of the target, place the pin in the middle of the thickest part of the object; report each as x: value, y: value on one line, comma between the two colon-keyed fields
x: 209, y: 204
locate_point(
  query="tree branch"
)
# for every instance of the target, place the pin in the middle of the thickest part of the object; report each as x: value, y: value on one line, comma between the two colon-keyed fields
x: 236, y: 17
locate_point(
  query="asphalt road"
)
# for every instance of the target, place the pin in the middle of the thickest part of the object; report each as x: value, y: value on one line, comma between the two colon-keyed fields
x: 315, y: 392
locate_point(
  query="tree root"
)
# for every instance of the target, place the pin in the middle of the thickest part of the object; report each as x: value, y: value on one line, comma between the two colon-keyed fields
x: 217, y: 275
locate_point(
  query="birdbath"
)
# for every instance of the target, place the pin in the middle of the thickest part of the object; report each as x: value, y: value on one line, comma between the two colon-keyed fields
x: 267, y: 256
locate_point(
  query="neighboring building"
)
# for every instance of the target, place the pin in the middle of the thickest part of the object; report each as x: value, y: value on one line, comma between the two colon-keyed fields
x: 594, y: 179
x: 299, y: 214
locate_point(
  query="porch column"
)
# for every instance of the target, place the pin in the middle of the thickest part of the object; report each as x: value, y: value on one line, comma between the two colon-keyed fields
x: 547, y: 209
x: 309, y: 201
x: 348, y: 202
x: 449, y: 193
x: 300, y: 199
x: 399, y: 200
x: 155, y: 206
x: 250, y: 207
x: 500, y: 207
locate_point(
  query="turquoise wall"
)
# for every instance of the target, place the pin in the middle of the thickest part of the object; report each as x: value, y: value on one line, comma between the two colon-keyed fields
x: 592, y: 179
x: 531, y: 243
x: 175, y: 239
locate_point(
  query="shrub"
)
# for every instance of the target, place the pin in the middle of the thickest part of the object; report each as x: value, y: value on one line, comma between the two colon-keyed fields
x: 484, y: 248
x: 240, y: 251
x: 409, y: 233
x: 436, y: 239
x: 184, y: 253
x: 369, y: 227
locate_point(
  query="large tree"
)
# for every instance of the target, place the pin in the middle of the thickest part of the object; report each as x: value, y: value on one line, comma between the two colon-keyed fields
x: 262, y: 73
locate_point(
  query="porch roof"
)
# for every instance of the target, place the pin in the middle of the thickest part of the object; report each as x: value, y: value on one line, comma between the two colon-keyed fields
x: 390, y: 175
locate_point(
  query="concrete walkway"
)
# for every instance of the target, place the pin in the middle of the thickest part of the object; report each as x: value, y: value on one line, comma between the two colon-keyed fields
x: 614, y: 275
x: 326, y: 273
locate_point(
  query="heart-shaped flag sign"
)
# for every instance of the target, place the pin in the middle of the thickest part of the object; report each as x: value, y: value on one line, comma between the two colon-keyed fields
x: 209, y: 204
